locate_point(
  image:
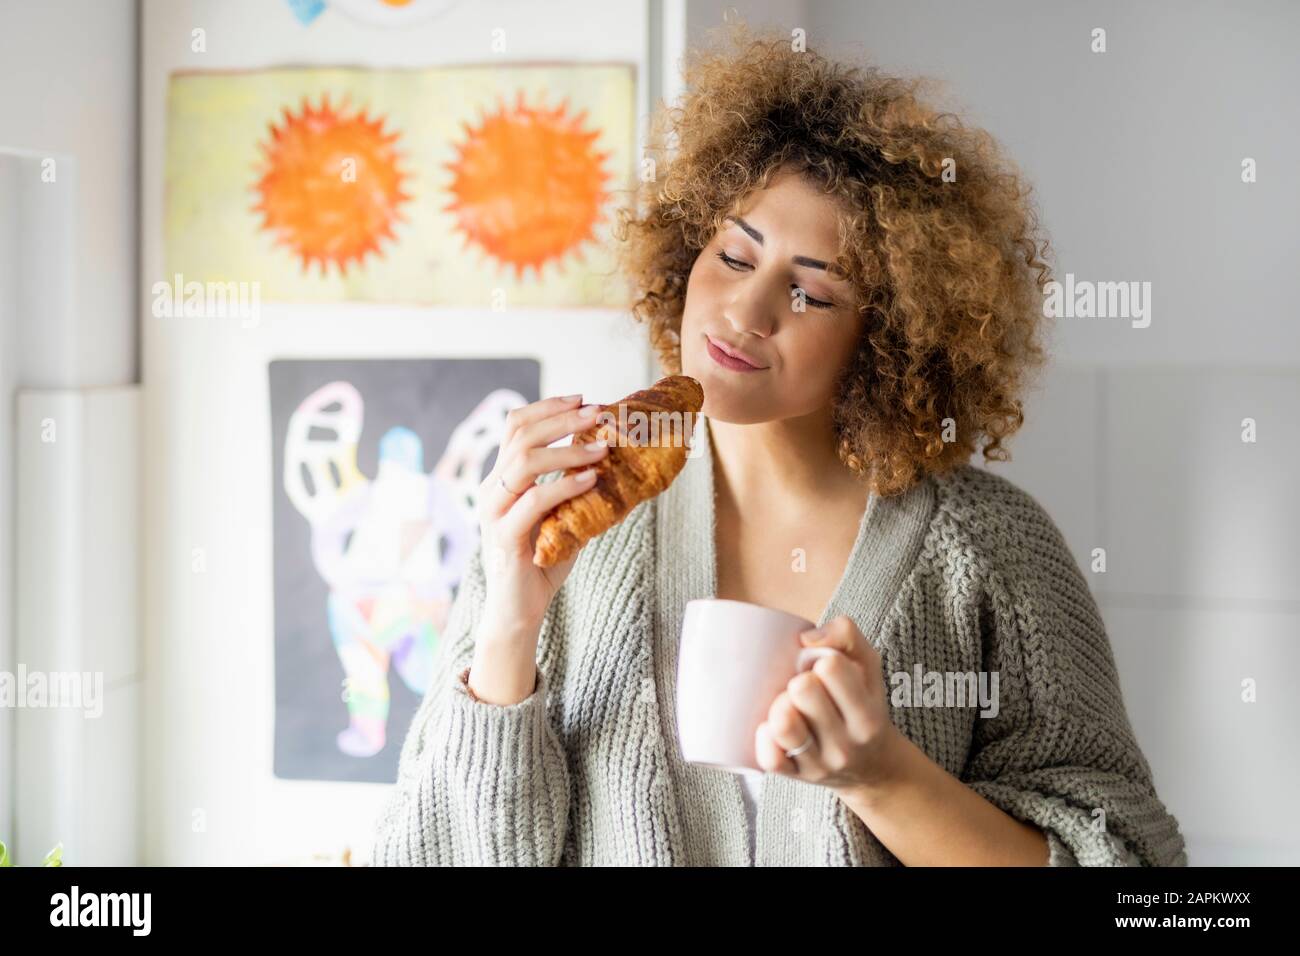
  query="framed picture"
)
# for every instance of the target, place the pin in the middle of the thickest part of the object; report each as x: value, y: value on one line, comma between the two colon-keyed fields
x: 376, y: 469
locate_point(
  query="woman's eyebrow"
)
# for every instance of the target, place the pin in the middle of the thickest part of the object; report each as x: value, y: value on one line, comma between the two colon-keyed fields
x: 797, y: 260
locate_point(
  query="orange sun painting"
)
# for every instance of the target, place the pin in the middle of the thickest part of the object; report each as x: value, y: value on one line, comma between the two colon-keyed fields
x: 528, y: 184
x: 330, y: 187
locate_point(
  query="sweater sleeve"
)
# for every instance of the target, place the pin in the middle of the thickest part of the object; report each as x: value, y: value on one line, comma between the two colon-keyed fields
x: 478, y: 784
x: 1060, y: 752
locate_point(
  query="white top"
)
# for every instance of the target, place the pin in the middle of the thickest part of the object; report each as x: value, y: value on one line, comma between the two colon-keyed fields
x: 751, y: 786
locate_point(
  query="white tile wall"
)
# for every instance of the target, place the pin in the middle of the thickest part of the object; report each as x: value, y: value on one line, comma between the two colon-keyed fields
x: 1054, y: 455
x: 1202, y: 588
x: 77, y: 618
x: 112, y: 798
x: 1191, y: 508
x: 1227, y: 769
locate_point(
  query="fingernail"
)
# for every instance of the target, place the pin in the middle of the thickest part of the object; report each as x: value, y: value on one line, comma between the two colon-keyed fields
x: 814, y: 635
x: 588, y: 411
x: 587, y: 475
x: 592, y: 446
x: 572, y: 398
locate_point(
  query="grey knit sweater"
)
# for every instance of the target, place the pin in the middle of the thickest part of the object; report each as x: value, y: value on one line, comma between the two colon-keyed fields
x: 962, y: 573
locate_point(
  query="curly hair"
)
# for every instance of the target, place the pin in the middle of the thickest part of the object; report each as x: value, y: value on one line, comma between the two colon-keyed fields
x: 947, y: 270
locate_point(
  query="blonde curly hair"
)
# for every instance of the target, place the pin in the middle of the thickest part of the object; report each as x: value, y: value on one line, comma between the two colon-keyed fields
x: 948, y: 273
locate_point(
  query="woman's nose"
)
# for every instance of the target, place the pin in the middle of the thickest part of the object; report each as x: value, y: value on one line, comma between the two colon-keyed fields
x: 751, y: 312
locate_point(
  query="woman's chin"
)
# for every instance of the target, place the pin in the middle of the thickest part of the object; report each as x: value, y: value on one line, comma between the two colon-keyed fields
x: 726, y: 408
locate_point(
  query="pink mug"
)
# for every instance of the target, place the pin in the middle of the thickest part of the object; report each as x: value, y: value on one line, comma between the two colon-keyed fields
x: 733, y: 661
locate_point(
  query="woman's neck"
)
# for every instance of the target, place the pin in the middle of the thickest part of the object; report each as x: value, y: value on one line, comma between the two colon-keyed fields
x: 781, y: 466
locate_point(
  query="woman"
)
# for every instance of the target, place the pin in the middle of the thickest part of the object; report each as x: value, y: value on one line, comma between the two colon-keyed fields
x: 854, y: 280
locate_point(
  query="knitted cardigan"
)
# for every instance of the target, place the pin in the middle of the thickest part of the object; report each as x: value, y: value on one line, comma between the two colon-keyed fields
x: 963, y: 572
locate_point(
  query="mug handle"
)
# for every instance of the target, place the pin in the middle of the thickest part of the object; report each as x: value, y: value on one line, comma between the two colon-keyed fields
x: 808, y: 656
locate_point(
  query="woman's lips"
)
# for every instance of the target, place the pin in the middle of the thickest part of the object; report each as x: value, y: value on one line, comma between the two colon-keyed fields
x: 727, y: 361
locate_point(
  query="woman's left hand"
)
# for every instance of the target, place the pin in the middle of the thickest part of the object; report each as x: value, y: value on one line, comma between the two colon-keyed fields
x: 840, y: 707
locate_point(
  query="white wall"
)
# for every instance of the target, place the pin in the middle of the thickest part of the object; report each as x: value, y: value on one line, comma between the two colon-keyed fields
x: 703, y: 15
x: 69, y: 69
x: 77, y: 617
x: 67, y: 260
x: 210, y: 699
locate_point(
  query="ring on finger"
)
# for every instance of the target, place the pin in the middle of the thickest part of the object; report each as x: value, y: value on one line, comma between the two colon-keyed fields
x: 502, y: 482
x: 801, y: 748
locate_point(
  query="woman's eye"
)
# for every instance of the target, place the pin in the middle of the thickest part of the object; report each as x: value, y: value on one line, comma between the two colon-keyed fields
x: 733, y: 263
x: 740, y: 266
x: 815, y: 303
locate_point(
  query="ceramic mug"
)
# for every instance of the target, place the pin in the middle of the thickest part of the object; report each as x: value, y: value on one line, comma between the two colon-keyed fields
x: 734, y: 659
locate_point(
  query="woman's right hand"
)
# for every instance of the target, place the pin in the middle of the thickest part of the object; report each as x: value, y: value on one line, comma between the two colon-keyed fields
x: 519, y: 592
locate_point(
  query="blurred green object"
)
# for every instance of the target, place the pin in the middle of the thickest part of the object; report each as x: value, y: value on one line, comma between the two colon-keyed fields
x: 53, y: 858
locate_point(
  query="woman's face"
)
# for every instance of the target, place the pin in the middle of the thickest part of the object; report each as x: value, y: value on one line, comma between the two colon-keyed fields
x: 769, y: 260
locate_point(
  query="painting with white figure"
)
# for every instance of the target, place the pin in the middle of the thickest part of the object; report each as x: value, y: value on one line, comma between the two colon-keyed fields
x: 377, y: 464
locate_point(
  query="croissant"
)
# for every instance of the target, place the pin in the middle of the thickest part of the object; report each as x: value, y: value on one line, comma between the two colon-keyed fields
x: 647, y: 450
